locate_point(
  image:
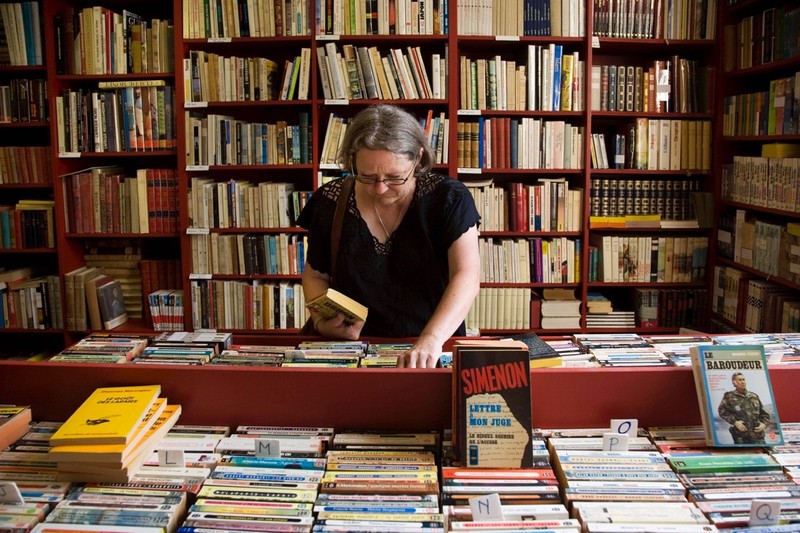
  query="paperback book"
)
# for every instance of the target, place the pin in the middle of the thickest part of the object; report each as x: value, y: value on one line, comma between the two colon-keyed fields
x: 332, y: 302
x: 492, y: 406
x: 735, y: 394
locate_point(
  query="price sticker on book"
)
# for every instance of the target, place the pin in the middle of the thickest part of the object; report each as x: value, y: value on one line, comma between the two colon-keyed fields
x: 627, y: 426
x: 615, y: 442
x: 9, y: 493
x: 486, y: 508
x: 268, y: 448
x: 764, y: 513
x: 172, y: 458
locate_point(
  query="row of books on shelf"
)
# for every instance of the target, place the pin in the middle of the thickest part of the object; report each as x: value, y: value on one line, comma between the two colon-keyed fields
x: 94, y: 300
x: 108, y: 200
x: 760, y: 244
x: 671, y: 199
x: 248, y: 254
x: 653, y: 144
x: 643, y: 19
x: 223, y: 140
x: 158, y: 275
x: 760, y: 38
x: 774, y: 111
x: 120, y: 258
x: 24, y: 100
x: 763, y: 181
x: 630, y: 259
x: 123, y: 116
x: 398, y: 17
x: 526, y: 143
x: 228, y: 19
x: 97, y: 40
x: 166, y: 309
x: 562, y: 18
x: 210, y: 77
x: 21, y: 29
x: 29, y: 301
x: 550, y: 79
x: 356, y: 73
x: 549, y: 205
x: 28, y: 224
x: 670, y: 308
x: 242, y: 204
x: 675, y: 85
x: 528, y: 260
x: 25, y: 165
x: 753, y: 304
x: 219, y: 304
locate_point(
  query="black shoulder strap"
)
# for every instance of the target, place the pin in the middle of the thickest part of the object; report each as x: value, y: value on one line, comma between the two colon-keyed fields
x: 338, y: 218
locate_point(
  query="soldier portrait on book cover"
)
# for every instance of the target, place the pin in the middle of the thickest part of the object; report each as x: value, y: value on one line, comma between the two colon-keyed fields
x: 743, y: 410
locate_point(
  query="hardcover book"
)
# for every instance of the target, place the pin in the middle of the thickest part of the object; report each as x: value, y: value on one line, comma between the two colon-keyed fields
x: 735, y: 394
x: 332, y: 302
x: 110, y: 415
x: 112, y: 304
x: 492, y: 404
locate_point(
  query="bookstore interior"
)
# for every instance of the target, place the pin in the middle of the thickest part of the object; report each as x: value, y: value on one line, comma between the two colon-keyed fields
x: 636, y: 168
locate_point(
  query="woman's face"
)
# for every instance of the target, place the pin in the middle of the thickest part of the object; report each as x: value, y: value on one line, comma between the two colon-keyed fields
x: 384, y: 176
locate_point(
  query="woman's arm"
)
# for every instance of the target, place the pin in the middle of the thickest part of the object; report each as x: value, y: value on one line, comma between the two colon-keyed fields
x: 315, y: 283
x: 464, y: 264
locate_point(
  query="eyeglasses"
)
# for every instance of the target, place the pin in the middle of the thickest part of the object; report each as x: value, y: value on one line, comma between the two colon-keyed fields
x: 387, y: 181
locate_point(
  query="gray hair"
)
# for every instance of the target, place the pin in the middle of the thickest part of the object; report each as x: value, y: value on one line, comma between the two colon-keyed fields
x: 386, y: 127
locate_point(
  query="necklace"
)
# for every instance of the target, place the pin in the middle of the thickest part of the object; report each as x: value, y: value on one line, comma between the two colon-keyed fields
x: 396, y: 219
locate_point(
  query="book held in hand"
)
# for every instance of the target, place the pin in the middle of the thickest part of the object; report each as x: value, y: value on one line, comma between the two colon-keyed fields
x: 333, y: 302
x: 735, y: 394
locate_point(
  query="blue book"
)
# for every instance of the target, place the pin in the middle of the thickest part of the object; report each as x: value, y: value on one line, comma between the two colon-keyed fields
x: 296, y: 146
x: 27, y: 30
x: 5, y: 224
x: 557, y: 77
x: 272, y: 254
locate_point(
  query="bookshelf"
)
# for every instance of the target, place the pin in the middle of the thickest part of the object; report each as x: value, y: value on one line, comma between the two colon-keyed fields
x: 755, y: 274
x: 267, y: 76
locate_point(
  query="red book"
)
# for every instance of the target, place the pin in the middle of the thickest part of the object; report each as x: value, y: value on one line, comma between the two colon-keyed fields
x: 151, y: 202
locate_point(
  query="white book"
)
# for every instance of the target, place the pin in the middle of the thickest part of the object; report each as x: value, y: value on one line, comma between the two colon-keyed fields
x: 664, y: 143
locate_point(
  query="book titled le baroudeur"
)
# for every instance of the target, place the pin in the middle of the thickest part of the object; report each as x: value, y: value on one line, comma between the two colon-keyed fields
x: 737, y: 405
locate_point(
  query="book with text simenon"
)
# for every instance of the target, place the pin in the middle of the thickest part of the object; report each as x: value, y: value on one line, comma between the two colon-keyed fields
x: 110, y: 415
x: 332, y: 302
x: 735, y: 394
x: 492, y: 404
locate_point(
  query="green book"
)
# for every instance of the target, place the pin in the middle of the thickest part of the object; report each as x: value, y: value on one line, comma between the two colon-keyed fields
x: 745, y: 462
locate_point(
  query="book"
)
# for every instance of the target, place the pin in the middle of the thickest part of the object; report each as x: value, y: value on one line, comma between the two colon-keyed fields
x: 112, y: 304
x: 110, y: 415
x: 14, y: 422
x: 492, y: 404
x: 95, y: 321
x: 332, y: 302
x: 735, y: 394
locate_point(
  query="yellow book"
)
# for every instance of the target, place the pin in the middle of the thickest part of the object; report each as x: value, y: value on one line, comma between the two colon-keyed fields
x: 139, y: 451
x: 110, y: 453
x: 110, y: 415
x: 333, y: 302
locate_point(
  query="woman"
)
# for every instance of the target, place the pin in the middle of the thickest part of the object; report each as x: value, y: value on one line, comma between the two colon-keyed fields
x: 409, y: 239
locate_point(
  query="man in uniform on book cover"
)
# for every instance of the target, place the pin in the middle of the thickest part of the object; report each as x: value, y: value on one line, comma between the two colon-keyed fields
x: 743, y: 410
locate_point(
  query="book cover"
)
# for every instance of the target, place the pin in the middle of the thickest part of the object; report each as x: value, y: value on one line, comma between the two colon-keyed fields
x: 332, y: 302
x: 735, y: 394
x: 492, y: 404
x: 112, y: 304
x: 110, y: 415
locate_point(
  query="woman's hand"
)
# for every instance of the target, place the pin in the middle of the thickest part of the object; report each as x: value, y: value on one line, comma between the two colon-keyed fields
x: 424, y: 353
x: 337, y: 328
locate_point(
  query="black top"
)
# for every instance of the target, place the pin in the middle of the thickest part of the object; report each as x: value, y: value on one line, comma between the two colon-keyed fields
x: 401, y: 281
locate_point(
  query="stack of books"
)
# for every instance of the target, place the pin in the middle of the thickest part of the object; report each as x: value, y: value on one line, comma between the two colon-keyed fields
x: 560, y: 309
x: 111, y: 434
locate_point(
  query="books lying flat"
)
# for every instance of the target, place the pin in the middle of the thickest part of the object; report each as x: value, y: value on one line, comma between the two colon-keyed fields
x: 110, y: 415
x: 14, y: 422
x: 332, y: 302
